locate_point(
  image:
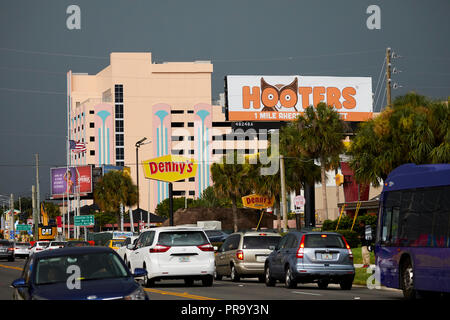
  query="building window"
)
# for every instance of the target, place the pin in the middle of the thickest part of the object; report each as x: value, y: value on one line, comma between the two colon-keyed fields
x: 177, y: 124
x: 119, y: 140
x: 92, y: 152
x: 177, y: 138
x: 119, y: 111
x: 192, y: 179
x: 118, y: 93
x: 190, y: 111
x: 92, y: 139
x: 190, y: 124
x: 91, y: 125
x: 192, y: 192
x: 119, y: 154
x: 91, y: 112
x: 176, y: 111
x: 119, y: 125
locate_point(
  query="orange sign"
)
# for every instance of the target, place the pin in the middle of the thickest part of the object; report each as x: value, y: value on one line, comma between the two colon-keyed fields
x: 283, y: 98
x: 169, y: 168
x: 256, y: 201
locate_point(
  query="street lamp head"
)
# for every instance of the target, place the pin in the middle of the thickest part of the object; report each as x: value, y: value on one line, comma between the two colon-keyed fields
x: 140, y: 142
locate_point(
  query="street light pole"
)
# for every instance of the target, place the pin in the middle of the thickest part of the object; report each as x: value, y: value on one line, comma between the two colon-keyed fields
x: 138, y: 144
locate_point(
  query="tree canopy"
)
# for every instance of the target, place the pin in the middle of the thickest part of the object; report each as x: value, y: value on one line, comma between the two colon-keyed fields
x: 414, y: 130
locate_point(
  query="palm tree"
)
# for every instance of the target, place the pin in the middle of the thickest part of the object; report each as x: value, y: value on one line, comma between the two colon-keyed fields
x: 414, y: 130
x: 230, y: 181
x: 320, y: 136
x: 113, y: 189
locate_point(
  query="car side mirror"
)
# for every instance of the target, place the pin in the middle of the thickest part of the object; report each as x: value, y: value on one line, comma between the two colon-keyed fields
x: 215, y: 248
x: 139, y: 272
x: 19, y: 283
x: 130, y: 246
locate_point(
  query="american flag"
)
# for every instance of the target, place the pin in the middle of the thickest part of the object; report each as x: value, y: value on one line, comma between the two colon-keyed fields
x: 77, y: 146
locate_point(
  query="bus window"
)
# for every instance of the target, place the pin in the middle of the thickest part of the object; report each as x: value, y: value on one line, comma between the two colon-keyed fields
x: 395, y: 225
x: 386, y: 225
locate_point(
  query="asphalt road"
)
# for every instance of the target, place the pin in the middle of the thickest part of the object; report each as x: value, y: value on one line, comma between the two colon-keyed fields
x: 246, y: 289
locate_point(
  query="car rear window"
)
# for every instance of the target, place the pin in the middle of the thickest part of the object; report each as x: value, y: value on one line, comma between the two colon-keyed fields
x: 324, y: 241
x: 117, y: 243
x: 260, y: 242
x: 57, y: 244
x: 5, y: 244
x: 182, y: 238
x: 43, y: 244
x: 22, y: 244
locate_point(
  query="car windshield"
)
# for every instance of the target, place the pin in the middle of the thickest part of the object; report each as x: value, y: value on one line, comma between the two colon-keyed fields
x: 324, y: 241
x: 182, y: 238
x: 260, y: 242
x: 90, y: 266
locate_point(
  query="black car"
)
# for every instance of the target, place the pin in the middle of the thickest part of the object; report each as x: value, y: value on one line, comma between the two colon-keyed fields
x: 78, y: 273
x: 216, y: 235
x: 77, y: 243
x: 7, y: 250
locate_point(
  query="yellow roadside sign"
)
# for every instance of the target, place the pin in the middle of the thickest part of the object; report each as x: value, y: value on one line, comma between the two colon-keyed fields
x: 257, y: 201
x: 169, y: 168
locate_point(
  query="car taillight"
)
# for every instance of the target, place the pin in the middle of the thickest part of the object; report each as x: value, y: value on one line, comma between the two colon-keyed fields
x: 240, y: 255
x: 206, y: 247
x: 10, y: 249
x: 350, y: 253
x: 159, y: 248
x: 301, y: 248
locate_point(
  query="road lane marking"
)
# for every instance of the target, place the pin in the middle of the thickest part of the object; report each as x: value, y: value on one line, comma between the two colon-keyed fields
x: 178, y: 294
x: 308, y: 293
x: 10, y: 267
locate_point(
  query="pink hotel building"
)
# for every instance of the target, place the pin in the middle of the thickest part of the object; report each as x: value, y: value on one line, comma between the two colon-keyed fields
x: 168, y: 103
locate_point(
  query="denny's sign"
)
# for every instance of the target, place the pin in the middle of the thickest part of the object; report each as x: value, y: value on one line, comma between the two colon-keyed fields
x: 256, y: 201
x: 169, y: 168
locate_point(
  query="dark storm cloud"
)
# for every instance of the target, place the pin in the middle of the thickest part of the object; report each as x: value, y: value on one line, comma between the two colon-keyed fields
x: 238, y: 36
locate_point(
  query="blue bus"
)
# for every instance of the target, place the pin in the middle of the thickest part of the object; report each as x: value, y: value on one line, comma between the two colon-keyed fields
x: 412, y: 247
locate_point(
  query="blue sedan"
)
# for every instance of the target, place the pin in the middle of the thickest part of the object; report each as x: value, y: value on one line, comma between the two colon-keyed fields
x: 78, y: 273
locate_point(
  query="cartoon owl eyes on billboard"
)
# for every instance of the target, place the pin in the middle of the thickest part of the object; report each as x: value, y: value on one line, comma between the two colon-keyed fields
x: 283, y: 98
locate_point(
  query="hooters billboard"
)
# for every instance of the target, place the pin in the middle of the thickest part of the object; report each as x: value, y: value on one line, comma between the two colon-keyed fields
x: 283, y: 98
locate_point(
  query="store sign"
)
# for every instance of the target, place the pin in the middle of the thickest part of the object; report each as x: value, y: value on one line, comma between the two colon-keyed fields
x: 169, y: 168
x: 284, y: 98
x: 256, y: 201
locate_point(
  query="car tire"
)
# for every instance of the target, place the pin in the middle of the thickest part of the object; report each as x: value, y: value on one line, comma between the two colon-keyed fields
x: 407, y: 280
x: 289, y: 281
x: 322, y: 284
x: 217, y: 276
x: 207, y: 281
x: 346, y: 283
x: 234, y: 274
x: 268, y: 279
x: 189, y: 282
x: 147, y: 281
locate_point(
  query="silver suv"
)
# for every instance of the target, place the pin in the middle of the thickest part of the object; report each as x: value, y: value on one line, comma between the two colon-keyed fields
x: 301, y: 257
x: 243, y: 255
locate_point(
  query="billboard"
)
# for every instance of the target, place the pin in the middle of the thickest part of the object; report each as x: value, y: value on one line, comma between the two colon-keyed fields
x: 283, y: 98
x: 65, y: 181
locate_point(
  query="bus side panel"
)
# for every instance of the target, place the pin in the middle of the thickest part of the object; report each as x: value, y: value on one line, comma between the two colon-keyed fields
x: 387, y: 259
x: 429, y: 269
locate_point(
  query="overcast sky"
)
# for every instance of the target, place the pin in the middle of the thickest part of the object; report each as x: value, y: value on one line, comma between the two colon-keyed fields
x: 262, y: 37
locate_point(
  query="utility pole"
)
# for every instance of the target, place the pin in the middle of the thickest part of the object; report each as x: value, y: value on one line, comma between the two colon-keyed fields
x: 388, y: 77
x: 38, y: 199
x: 35, y: 214
x: 283, y: 194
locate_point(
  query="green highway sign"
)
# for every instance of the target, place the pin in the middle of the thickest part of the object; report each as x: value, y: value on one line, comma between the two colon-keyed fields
x: 23, y: 227
x: 82, y: 221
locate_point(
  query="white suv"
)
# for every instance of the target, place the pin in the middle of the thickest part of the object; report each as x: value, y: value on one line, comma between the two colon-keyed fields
x: 174, y: 253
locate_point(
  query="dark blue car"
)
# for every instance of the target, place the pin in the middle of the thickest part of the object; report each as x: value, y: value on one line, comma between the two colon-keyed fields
x: 78, y: 273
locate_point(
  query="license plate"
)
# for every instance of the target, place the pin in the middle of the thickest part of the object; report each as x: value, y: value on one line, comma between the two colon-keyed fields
x: 327, y: 256
x: 261, y: 258
x: 183, y: 259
